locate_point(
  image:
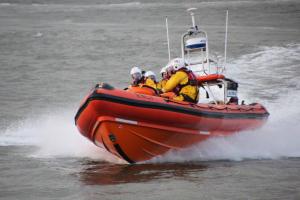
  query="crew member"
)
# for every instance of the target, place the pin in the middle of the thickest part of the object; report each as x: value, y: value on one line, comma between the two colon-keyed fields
x: 150, y: 79
x: 183, y: 82
x: 164, y: 79
x: 137, y: 77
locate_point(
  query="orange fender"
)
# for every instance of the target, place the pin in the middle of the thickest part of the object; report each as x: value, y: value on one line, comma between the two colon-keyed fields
x: 210, y: 77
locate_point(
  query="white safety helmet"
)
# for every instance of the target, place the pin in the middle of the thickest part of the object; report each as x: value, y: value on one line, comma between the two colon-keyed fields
x: 135, y: 70
x: 169, y: 68
x: 177, y: 63
x: 164, y: 73
x: 150, y: 74
x: 163, y: 70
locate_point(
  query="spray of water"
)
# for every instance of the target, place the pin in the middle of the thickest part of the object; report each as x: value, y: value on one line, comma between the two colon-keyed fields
x: 280, y: 137
x: 55, y: 135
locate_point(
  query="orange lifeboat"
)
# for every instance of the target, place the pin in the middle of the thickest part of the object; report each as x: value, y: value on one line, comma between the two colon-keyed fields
x: 137, y: 127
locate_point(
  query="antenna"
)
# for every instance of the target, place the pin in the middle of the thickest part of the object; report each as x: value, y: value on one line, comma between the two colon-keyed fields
x: 190, y: 10
x: 225, y: 50
x: 168, y: 40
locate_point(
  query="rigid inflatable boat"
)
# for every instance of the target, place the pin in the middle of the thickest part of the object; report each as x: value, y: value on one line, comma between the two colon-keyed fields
x: 137, y: 124
x: 138, y: 127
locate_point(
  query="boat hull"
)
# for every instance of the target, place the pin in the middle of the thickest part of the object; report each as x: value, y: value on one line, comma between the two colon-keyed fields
x: 137, y: 127
x: 136, y: 142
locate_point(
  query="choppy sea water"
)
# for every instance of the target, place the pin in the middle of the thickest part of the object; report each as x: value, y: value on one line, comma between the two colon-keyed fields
x: 52, y: 52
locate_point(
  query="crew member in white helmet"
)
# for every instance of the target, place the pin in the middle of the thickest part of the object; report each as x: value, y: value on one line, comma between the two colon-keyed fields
x: 137, y: 77
x: 164, y: 78
x: 183, y: 82
x: 150, y: 79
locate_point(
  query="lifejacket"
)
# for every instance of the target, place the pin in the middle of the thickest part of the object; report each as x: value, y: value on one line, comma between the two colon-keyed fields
x: 146, y: 84
x: 161, y: 84
x: 150, y: 83
x: 192, y: 81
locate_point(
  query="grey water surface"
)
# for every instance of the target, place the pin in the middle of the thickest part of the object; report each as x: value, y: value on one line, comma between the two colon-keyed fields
x: 53, y: 52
